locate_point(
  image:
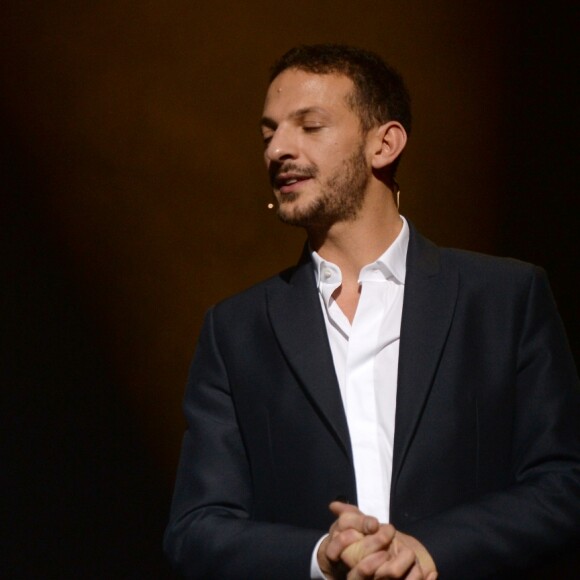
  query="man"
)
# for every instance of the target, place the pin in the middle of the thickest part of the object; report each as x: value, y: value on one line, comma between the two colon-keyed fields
x: 427, y: 396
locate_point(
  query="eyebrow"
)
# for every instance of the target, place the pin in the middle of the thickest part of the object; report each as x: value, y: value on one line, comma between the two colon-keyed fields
x: 271, y: 124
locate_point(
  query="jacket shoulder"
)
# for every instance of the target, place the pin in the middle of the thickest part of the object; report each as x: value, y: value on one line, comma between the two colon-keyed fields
x: 427, y: 257
x: 493, y: 275
x: 467, y: 260
x: 254, y: 296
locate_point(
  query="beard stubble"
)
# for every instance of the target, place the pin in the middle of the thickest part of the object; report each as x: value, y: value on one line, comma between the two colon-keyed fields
x: 340, y: 199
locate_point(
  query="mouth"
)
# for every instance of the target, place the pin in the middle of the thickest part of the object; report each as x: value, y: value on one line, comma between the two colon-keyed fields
x: 287, y: 183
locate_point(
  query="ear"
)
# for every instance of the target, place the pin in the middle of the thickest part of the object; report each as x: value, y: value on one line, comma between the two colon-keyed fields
x: 389, y: 141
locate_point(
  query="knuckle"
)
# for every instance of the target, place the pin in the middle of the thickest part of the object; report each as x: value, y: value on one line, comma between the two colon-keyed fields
x: 366, y: 568
x: 400, y: 566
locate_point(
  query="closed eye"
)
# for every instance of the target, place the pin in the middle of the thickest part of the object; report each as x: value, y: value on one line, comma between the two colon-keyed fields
x: 311, y: 128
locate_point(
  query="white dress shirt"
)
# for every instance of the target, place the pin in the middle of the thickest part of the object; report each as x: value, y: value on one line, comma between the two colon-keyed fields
x: 366, y: 356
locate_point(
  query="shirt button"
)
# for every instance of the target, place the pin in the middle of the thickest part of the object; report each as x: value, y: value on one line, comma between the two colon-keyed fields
x: 327, y: 274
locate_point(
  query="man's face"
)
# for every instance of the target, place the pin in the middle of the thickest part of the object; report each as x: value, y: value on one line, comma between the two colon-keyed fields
x: 314, y: 149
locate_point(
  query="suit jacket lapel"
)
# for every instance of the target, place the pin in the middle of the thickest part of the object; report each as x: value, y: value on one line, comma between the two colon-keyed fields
x: 428, y: 307
x: 298, y: 323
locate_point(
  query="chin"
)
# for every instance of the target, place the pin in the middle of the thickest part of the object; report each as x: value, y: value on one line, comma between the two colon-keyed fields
x: 290, y: 217
x: 291, y: 208
x: 304, y: 217
x: 293, y: 215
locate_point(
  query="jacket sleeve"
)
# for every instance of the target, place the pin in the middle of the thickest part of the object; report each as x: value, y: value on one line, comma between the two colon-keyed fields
x: 211, y: 533
x: 540, y: 512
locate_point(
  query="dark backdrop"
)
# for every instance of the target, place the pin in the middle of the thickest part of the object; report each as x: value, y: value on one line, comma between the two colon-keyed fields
x: 134, y: 196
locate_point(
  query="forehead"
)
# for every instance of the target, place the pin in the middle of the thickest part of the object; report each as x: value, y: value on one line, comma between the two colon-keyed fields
x: 295, y: 89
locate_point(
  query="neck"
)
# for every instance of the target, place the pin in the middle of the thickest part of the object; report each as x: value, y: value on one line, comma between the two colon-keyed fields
x: 351, y: 245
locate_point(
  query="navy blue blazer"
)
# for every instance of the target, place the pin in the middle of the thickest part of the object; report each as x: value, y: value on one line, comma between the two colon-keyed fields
x: 486, y: 467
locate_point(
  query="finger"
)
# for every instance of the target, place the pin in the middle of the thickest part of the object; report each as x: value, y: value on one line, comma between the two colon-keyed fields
x: 329, y: 568
x: 379, y: 541
x: 339, y: 508
x: 349, y: 516
x: 416, y: 573
x: 402, y: 562
x: 367, y: 567
x: 340, y: 541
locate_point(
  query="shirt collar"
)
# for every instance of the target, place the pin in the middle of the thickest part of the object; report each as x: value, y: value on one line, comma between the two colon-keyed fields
x: 391, y: 264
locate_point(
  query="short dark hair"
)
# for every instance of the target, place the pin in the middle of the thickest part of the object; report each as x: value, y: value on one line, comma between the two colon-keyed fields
x: 380, y: 94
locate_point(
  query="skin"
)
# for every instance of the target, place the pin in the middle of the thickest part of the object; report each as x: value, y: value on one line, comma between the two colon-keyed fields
x: 359, y: 547
x: 332, y: 166
x: 312, y: 134
x: 332, y: 178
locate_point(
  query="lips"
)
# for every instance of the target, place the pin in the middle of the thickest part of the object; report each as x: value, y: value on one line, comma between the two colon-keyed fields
x: 290, y: 182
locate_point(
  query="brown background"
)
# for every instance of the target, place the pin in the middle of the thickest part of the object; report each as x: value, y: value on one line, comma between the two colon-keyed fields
x: 134, y: 196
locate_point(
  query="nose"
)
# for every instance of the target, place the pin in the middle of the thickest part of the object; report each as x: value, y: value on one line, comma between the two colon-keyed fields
x: 281, y: 147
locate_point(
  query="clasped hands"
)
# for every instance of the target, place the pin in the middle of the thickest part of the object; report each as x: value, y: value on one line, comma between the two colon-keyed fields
x: 358, y: 547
